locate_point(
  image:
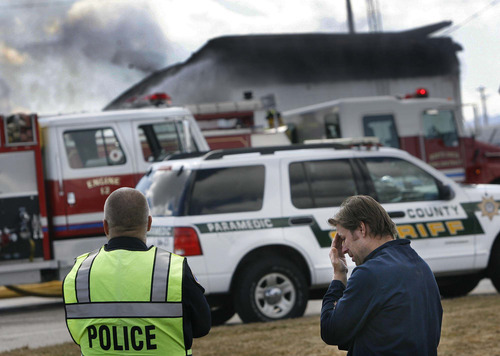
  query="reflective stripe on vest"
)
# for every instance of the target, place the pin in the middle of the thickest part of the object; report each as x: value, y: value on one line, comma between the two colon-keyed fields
x: 82, y: 278
x: 155, y: 317
x: 160, y: 276
x: 123, y: 310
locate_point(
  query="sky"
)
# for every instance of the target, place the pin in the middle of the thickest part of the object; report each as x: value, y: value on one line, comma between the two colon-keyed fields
x: 60, y: 56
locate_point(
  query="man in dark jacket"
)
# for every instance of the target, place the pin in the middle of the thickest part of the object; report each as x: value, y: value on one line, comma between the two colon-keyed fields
x: 391, y: 304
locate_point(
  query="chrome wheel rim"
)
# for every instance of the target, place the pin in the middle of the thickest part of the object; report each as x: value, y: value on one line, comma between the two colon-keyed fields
x: 275, y: 295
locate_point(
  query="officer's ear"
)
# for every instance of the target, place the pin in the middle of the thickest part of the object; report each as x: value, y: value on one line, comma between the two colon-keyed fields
x: 106, y: 227
x: 150, y: 221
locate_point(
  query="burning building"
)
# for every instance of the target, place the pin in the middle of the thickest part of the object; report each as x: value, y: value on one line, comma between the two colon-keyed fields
x: 304, y: 69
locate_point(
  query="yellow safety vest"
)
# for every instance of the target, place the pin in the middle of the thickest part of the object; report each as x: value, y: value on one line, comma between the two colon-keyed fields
x: 126, y: 302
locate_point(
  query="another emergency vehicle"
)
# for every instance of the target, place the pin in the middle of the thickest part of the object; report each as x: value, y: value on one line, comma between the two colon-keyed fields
x: 253, y: 222
x: 56, y: 173
x: 429, y: 128
x: 230, y: 124
x: 235, y: 124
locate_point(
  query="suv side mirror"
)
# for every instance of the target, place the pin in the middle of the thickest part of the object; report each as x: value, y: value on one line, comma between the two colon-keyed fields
x: 445, y: 191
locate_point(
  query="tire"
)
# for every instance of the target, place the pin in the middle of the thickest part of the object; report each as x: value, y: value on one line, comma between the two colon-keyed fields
x: 494, y: 265
x: 457, y: 286
x: 270, y: 289
x: 222, y: 312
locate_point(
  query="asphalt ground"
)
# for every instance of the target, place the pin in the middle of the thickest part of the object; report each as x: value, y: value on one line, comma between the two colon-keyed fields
x: 35, y: 322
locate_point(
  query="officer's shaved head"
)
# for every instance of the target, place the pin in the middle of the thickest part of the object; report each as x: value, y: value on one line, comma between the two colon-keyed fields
x: 126, y: 213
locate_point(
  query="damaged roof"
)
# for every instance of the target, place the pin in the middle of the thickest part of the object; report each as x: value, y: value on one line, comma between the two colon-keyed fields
x: 316, y: 58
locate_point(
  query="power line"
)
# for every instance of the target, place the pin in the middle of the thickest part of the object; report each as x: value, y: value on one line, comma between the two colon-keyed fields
x: 470, y: 18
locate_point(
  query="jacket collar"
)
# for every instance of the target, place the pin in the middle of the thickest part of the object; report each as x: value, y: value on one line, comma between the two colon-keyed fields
x: 397, y: 242
x: 125, y: 243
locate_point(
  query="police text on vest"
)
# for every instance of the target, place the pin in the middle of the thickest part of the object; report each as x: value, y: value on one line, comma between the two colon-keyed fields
x: 134, y: 337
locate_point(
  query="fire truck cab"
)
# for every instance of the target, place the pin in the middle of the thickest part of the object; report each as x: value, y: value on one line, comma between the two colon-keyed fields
x: 431, y: 129
x: 57, y: 171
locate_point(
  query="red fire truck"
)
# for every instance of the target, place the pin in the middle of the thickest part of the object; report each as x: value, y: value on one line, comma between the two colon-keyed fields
x: 56, y: 172
x: 237, y: 124
x: 230, y: 124
x: 429, y: 128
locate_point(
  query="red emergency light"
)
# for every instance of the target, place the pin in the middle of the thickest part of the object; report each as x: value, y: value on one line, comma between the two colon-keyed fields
x: 419, y: 93
x: 158, y: 99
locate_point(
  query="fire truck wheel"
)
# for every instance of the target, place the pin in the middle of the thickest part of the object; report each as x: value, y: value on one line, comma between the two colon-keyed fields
x: 494, y: 265
x: 271, y: 289
x: 457, y: 286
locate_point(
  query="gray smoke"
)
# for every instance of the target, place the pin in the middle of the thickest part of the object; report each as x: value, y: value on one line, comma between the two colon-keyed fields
x: 77, y: 58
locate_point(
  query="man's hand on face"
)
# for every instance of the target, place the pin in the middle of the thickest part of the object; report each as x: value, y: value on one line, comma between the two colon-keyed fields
x: 338, y: 260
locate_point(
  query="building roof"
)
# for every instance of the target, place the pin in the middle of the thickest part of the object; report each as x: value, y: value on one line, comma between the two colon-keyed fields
x: 313, y: 58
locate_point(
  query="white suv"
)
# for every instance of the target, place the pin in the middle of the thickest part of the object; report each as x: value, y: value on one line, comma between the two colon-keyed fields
x: 254, y: 221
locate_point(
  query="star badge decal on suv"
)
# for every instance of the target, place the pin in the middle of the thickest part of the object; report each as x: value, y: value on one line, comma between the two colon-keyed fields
x: 489, y: 207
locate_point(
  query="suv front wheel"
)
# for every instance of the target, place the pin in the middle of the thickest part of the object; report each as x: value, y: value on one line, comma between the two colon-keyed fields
x: 269, y: 290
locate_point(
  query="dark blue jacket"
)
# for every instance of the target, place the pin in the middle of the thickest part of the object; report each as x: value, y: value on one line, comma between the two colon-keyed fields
x: 391, y: 306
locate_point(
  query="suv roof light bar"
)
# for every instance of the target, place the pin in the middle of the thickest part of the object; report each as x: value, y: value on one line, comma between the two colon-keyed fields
x: 183, y: 155
x: 349, y: 141
x: 217, y: 154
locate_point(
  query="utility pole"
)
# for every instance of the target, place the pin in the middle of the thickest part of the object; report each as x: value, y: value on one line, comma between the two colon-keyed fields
x: 350, y: 18
x: 373, y: 14
x: 483, y: 102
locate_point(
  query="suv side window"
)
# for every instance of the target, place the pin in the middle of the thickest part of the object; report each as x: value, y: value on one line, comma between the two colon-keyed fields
x: 396, y: 180
x: 93, y: 148
x: 227, y: 190
x: 319, y: 184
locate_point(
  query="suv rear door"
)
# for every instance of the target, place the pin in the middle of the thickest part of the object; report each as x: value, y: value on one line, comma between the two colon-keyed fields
x: 312, y: 191
x: 234, y: 208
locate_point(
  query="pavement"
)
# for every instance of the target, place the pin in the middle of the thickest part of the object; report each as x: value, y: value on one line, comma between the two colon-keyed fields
x: 36, y: 322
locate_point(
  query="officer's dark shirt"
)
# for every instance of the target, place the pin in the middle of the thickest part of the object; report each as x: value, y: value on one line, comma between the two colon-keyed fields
x: 391, y: 306
x: 196, y: 311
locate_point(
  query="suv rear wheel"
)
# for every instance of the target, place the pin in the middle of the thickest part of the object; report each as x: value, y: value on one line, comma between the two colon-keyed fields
x: 457, y: 286
x: 494, y: 265
x: 271, y: 289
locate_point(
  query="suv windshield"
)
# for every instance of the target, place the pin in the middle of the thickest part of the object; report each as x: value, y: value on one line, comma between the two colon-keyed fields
x: 164, y: 190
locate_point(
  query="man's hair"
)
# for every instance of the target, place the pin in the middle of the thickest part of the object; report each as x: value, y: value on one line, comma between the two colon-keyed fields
x: 363, y: 208
x: 126, y: 209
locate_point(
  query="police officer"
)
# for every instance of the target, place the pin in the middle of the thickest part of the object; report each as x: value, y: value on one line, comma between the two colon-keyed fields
x: 129, y: 299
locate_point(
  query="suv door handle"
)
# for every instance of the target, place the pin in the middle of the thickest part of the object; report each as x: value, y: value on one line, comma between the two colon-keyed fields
x: 396, y: 214
x: 301, y: 220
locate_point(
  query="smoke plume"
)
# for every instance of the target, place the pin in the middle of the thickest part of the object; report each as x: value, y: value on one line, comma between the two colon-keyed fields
x: 77, y: 58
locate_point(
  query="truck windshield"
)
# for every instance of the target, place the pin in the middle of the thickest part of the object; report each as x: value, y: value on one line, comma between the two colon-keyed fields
x: 162, y: 139
x: 440, y: 124
x: 383, y: 127
x: 164, y: 190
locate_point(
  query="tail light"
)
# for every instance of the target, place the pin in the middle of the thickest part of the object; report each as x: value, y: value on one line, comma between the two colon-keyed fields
x: 186, y: 242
